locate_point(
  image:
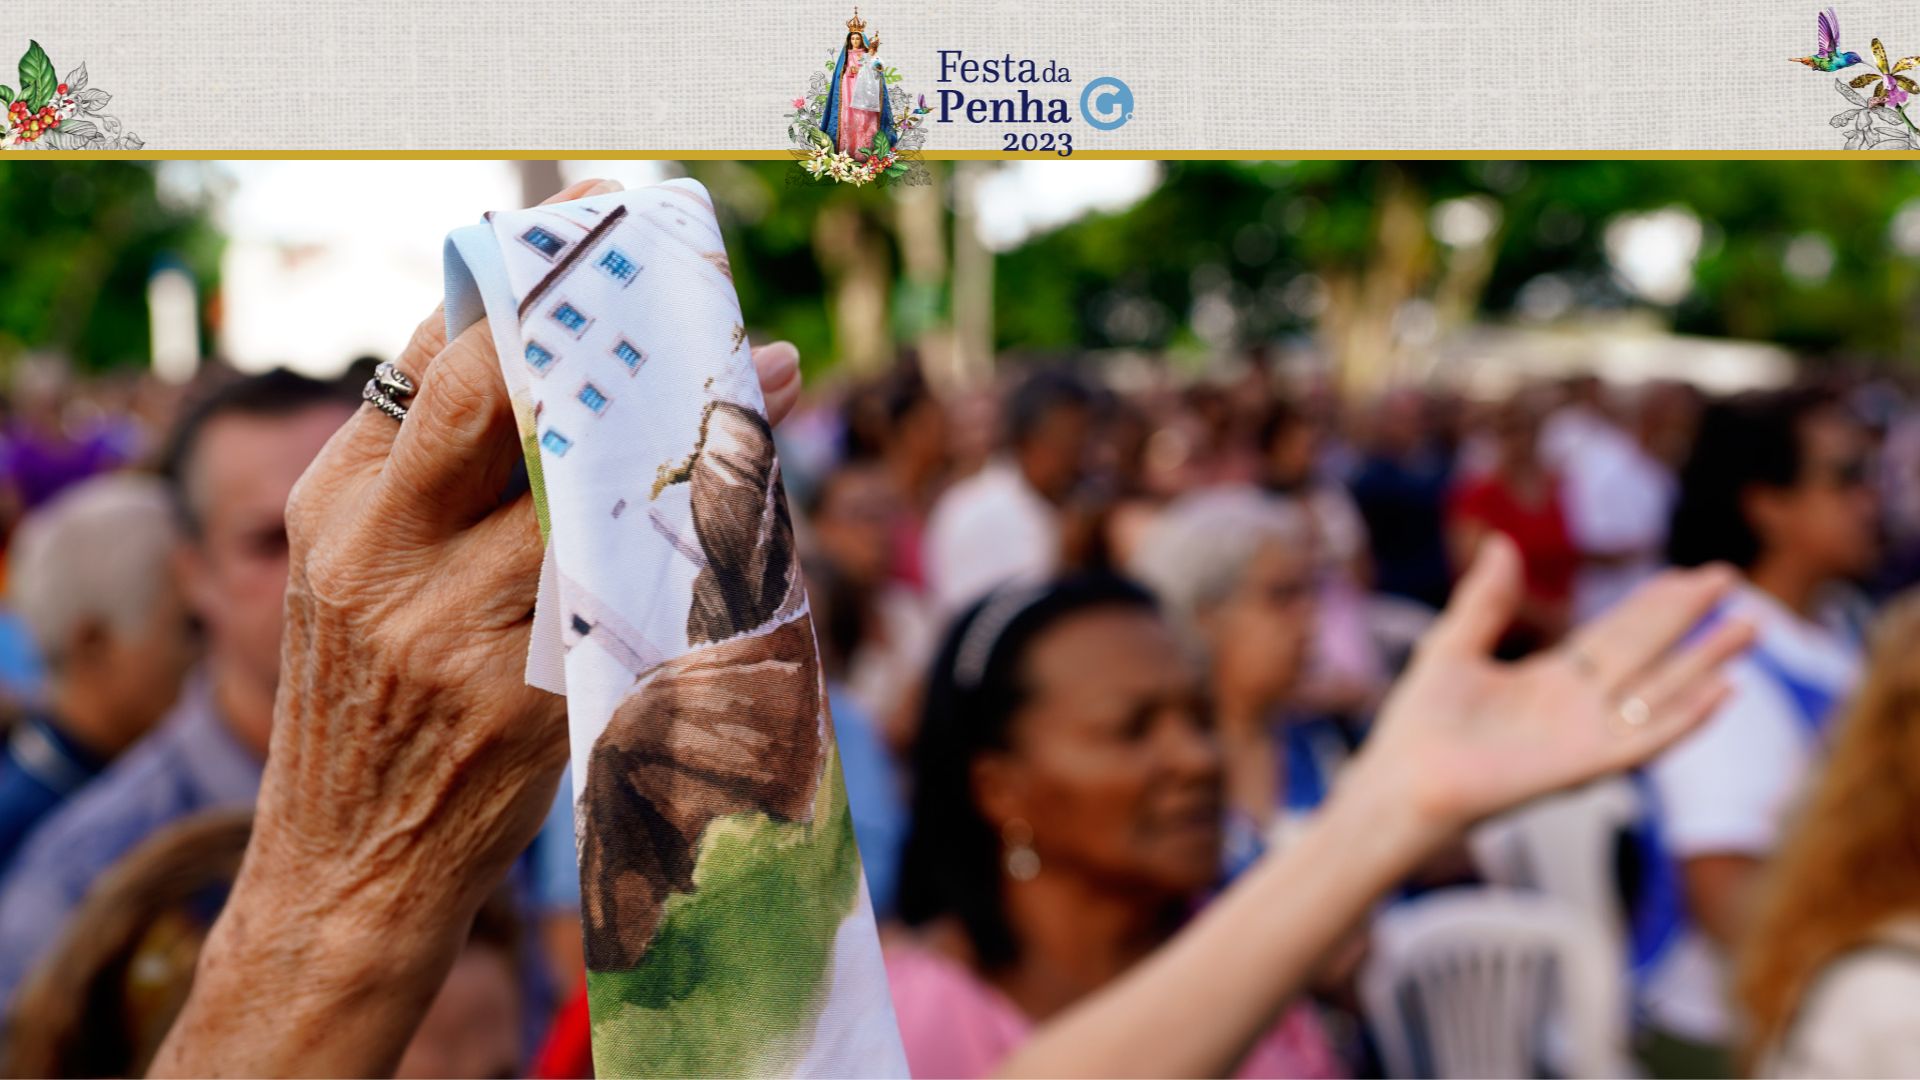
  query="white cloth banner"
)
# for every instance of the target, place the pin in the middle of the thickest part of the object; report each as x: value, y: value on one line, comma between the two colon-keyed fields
x: 728, y: 929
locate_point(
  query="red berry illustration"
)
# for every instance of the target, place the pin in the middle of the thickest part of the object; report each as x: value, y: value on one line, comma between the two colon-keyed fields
x: 62, y: 88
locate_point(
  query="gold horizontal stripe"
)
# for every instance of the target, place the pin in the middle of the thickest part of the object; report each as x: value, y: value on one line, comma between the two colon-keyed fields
x: 971, y: 155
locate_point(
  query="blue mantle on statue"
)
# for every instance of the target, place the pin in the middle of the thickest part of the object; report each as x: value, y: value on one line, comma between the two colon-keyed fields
x: 830, y: 118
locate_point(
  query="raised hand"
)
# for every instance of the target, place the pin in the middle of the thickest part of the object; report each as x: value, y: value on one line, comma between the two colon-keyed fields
x: 1460, y: 737
x: 1465, y: 736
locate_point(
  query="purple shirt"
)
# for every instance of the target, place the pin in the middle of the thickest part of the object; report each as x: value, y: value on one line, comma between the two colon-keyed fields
x: 190, y: 763
x: 41, y: 467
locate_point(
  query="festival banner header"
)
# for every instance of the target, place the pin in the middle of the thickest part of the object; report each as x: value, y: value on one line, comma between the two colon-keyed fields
x: 819, y: 80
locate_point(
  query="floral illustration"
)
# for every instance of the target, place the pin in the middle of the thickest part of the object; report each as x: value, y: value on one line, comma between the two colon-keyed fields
x: 48, y: 113
x: 1890, y: 87
x: 855, y: 124
x: 1877, y: 121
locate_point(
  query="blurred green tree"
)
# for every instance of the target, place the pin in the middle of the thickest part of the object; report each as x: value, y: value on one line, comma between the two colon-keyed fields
x: 1368, y: 258
x: 1818, y: 256
x: 814, y: 262
x: 80, y: 242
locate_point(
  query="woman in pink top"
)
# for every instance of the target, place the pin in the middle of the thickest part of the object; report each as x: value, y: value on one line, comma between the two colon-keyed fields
x: 1064, y: 827
x: 1068, y: 804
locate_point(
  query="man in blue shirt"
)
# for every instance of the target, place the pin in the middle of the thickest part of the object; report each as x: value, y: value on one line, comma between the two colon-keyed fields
x: 40, y: 767
x: 91, y: 583
x: 1401, y: 489
x: 232, y: 464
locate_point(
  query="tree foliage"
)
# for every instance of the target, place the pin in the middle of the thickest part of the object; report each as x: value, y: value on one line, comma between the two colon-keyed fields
x: 1267, y: 237
x: 80, y: 242
x: 1220, y: 255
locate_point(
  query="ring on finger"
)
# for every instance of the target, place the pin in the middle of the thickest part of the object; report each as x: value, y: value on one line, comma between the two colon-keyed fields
x: 387, y: 391
x: 1634, y: 712
x: 392, y: 379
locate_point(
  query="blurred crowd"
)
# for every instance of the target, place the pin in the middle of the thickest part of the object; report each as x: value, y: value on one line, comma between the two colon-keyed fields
x: 1029, y: 827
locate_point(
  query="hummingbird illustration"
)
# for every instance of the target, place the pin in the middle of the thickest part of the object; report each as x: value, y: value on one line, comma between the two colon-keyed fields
x: 1829, y: 58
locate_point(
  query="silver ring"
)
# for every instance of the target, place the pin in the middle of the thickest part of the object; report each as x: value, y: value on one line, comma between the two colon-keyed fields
x: 1635, y: 712
x: 393, y: 379
x: 377, y: 396
x: 386, y: 389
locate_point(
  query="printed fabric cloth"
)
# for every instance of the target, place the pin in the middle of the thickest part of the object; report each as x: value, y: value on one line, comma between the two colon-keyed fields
x: 728, y: 928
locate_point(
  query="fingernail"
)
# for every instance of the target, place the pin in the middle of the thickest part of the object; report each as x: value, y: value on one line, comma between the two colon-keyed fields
x: 779, y: 361
x: 605, y: 187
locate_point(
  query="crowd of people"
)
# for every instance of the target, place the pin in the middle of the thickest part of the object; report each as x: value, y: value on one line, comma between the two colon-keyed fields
x: 1092, y: 656
x: 1299, y: 546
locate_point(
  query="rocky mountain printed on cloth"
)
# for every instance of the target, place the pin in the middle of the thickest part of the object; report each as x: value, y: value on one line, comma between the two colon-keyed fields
x: 728, y: 929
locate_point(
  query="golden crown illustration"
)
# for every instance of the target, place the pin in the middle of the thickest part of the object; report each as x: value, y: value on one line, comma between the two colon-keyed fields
x: 856, y: 25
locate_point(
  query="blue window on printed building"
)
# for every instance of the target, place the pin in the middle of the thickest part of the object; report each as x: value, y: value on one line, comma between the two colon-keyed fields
x: 556, y: 443
x: 540, y: 357
x: 629, y: 356
x: 543, y: 241
x: 592, y: 398
x: 569, y: 316
x: 618, y: 266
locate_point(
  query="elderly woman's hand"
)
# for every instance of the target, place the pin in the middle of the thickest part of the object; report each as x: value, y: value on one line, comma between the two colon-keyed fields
x: 410, y: 762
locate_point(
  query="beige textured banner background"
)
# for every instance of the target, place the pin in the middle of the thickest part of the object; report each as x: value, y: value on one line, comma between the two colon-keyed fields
x: 585, y: 75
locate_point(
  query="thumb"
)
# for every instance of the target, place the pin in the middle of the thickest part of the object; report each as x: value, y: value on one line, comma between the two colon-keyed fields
x: 1484, y: 602
x: 581, y: 189
x: 778, y: 365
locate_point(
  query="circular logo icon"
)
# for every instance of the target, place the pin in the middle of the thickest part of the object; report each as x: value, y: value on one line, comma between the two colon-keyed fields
x: 1106, y: 103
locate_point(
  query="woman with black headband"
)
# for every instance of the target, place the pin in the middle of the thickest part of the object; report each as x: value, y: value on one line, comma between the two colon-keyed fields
x: 1068, y: 810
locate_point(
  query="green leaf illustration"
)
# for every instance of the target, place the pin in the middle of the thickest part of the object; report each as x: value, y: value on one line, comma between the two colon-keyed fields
x: 37, y: 80
x: 714, y: 961
x: 6, y: 95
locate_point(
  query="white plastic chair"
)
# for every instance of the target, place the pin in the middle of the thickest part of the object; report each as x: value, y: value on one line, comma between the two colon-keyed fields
x: 1493, y: 983
x: 1566, y: 846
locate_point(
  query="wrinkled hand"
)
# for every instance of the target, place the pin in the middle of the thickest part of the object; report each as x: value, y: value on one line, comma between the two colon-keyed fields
x: 1466, y: 737
x: 410, y: 763
x: 408, y: 747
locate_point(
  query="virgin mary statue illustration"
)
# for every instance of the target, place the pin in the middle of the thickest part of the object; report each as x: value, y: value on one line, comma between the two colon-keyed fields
x: 857, y: 105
